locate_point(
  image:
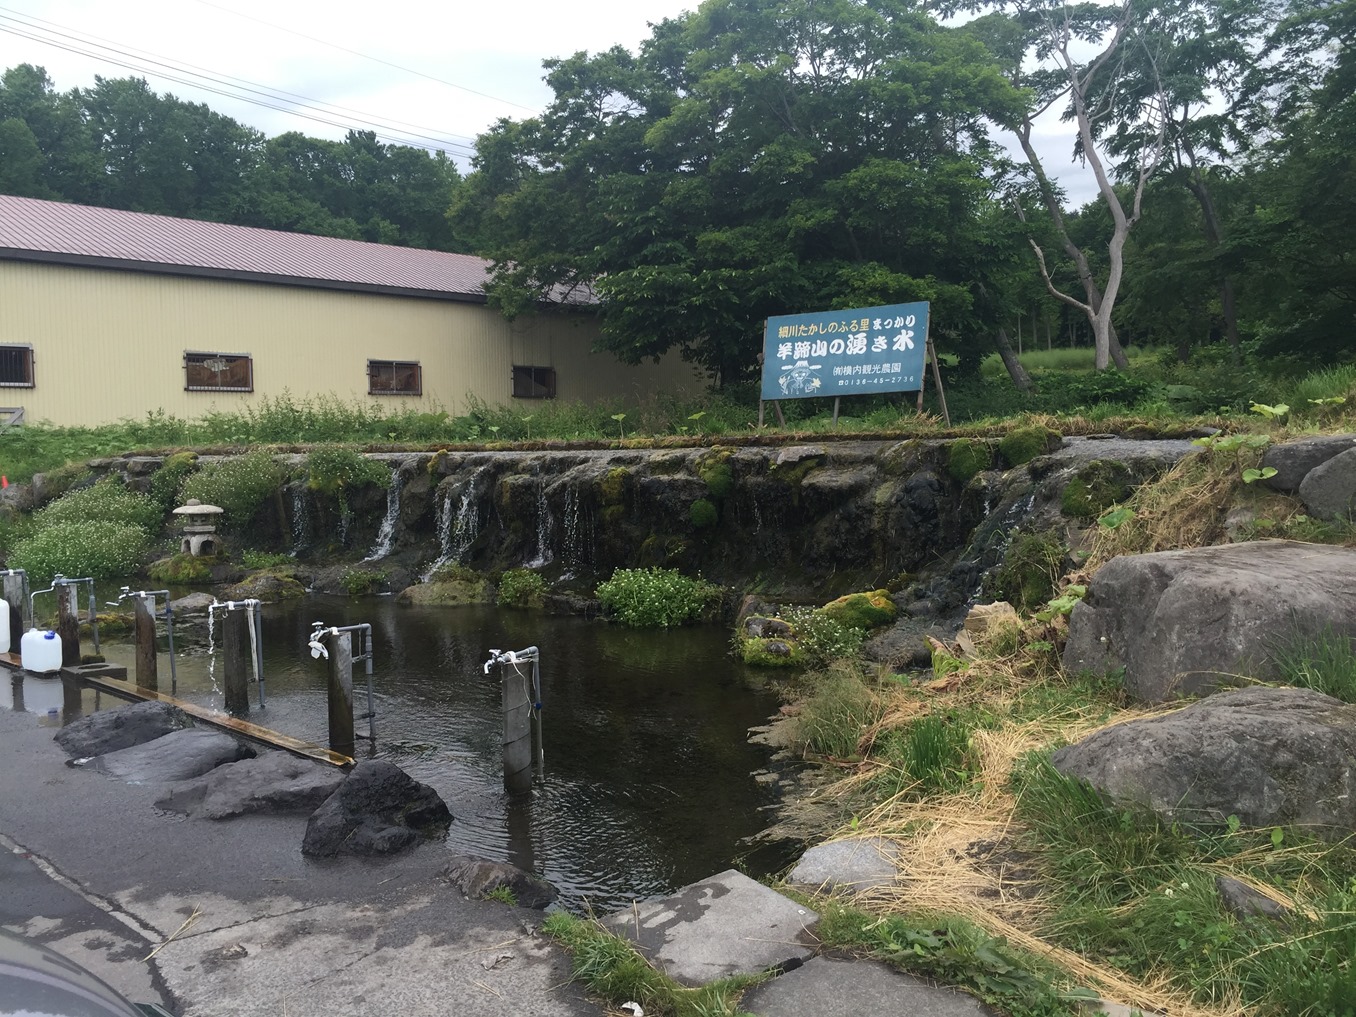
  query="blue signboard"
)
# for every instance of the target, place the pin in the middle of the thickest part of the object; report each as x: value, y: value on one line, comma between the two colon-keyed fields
x: 837, y: 353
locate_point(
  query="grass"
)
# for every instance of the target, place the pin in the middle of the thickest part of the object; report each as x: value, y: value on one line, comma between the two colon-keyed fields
x: 1325, y: 662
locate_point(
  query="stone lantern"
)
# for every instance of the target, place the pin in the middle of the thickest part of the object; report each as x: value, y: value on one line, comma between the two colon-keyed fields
x: 200, y: 528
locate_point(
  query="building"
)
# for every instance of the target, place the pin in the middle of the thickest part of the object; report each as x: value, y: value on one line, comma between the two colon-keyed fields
x: 107, y: 315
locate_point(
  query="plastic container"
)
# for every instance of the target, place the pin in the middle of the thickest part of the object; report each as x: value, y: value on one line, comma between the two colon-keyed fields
x: 4, y: 627
x: 40, y: 651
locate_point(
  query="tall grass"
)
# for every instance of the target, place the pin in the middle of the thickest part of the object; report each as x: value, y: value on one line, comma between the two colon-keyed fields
x: 1325, y: 662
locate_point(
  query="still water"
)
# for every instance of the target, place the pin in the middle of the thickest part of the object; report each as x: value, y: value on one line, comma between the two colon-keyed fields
x: 648, y: 782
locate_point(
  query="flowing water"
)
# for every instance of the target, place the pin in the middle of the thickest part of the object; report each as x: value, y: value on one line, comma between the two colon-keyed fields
x: 649, y: 777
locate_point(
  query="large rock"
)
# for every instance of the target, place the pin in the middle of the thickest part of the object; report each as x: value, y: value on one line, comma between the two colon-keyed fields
x: 270, y: 782
x: 179, y: 755
x: 378, y: 810
x: 1184, y: 622
x: 1329, y: 490
x: 120, y: 728
x: 479, y: 877
x: 1293, y: 460
x: 862, y: 864
x: 1271, y: 757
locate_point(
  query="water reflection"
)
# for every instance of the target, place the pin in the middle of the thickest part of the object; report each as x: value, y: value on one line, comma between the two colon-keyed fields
x: 647, y: 780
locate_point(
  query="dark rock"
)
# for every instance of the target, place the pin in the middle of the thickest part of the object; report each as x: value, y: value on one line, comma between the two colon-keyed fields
x: 766, y: 628
x: 1293, y: 460
x: 379, y: 809
x: 923, y: 608
x: 795, y: 454
x: 1185, y: 622
x: 1271, y: 757
x: 193, y: 603
x: 120, y: 728
x: 142, y: 465
x: 179, y: 755
x: 572, y: 604
x: 479, y: 877
x: 904, y: 644
x: 777, y: 648
x: 752, y: 604
x: 271, y: 782
x: 1329, y: 490
x: 1245, y: 902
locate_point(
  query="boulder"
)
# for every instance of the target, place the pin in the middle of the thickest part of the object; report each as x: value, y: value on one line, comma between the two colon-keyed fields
x: 271, y: 782
x: 378, y: 810
x: 120, y: 728
x: 1271, y: 757
x: 479, y: 877
x: 1242, y: 901
x: 1329, y: 490
x: 179, y: 755
x: 265, y: 586
x: 192, y: 603
x: 862, y: 864
x: 1185, y: 622
x: 1293, y: 460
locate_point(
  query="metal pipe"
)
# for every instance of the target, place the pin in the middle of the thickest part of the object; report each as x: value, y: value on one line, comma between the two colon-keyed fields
x: 254, y: 606
x: 319, y: 630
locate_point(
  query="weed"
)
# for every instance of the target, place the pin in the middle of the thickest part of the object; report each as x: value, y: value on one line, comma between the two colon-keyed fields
x: 930, y: 756
x: 504, y: 895
x: 239, y: 486
x: 334, y: 469
x: 253, y: 559
x: 834, y: 717
x: 822, y: 637
x: 656, y: 597
x: 1325, y: 662
x: 360, y: 582
x: 107, y: 501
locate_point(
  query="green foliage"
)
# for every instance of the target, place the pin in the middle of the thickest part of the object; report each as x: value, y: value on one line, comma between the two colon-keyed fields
x: 1023, y: 444
x: 360, y: 582
x: 1030, y: 569
x: 861, y: 610
x: 167, y: 481
x: 101, y: 548
x: 612, y: 487
x: 181, y: 570
x: 1064, y: 603
x: 1324, y: 662
x: 758, y: 652
x: 930, y: 756
x: 656, y: 597
x: 834, y: 717
x: 521, y: 588
x: 504, y: 895
x: 822, y: 637
x: 253, y: 559
x: 240, y: 485
x: 1304, y: 966
x: 106, y: 501
x: 715, y: 472
x: 703, y: 514
x: 967, y: 457
x: 1098, y: 485
x: 334, y: 469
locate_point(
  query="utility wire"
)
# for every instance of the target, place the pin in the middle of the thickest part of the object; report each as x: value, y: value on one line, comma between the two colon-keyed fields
x: 123, y: 58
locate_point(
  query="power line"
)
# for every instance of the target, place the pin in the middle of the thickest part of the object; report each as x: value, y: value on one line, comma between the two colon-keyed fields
x: 366, y: 56
x: 234, y: 91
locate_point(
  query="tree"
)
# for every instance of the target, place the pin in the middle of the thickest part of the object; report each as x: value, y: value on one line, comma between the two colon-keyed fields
x: 755, y: 158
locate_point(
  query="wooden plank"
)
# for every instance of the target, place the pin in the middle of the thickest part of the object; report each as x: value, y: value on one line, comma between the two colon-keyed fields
x: 244, y: 728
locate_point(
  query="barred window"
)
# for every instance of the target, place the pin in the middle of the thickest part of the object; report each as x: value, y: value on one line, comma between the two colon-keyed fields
x: 394, y: 377
x: 534, y: 382
x: 16, y: 366
x: 218, y: 372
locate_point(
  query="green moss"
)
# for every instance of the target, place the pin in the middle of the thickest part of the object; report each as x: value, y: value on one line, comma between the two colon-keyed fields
x: 612, y: 488
x: 167, y: 481
x: 660, y: 549
x: 793, y: 474
x: 1024, y: 444
x: 703, y: 514
x: 448, y: 593
x: 756, y: 653
x: 1097, y: 486
x: 1026, y: 579
x: 968, y: 457
x: 181, y: 569
x: 57, y: 482
x: 714, y: 470
x: 613, y: 515
x: 861, y: 610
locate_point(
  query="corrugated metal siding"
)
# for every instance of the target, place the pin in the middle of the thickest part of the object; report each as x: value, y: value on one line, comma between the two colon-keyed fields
x: 110, y: 344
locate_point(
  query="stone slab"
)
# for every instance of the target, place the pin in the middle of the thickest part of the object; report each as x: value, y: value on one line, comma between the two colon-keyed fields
x: 722, y: 926
x: 179, y: 755
x: 856, y: 865
x: 271, y: 782
x: 839, y: 987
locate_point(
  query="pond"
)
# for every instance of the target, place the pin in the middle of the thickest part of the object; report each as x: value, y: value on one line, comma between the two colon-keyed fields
x: 649, y: 780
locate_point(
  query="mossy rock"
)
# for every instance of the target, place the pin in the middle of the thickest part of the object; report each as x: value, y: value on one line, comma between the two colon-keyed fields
x: 703, y: 514
x: 267, y: 586
x: 660, y: 549
x: 1024, y: 444
x: 1096, y: 487
x: 1029, y: 571
x: 714, y: 470
x: 448, y: 593
x: 613, y: 515
x: 862, y: 610
x: 612, y: 487
x: 181, y: 570
x: 110, y: 624
x: 966, y: 458
x: 771, y: 653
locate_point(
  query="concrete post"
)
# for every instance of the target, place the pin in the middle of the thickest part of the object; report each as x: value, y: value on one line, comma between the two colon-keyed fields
x: 14, y: 597
x: 68, y: 624
x: 517, y: 698
x: 340, y: 645
x: 235, y: 663
x: 143, y: 625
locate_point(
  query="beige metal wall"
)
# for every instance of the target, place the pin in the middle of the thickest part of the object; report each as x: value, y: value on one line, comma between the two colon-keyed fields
x: 110, y: 344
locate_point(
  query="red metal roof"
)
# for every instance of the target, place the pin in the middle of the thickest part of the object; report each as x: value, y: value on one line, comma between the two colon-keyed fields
x: 31, y: 229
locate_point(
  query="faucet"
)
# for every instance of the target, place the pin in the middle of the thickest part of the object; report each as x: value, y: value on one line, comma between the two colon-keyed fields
x: 149, y: 595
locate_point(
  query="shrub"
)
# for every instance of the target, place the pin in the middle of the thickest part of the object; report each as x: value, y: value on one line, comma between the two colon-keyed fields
x: 651, y: 597
x: 521, y: 588
x: 703, y: 514
x: 239, y: 486
x: 333, y: 469
x: 101, y: 548
x: 106, y: 501
x: 967, y: 457
x: 361, y: 581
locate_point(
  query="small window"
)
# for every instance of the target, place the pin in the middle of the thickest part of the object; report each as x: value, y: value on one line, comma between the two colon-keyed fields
x: 534, y: 382
x: 16, y: 366
x: 218, y: 372
x: 394, y: 377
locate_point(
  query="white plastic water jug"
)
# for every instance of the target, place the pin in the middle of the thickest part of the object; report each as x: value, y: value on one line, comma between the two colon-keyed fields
x: 4, y: 627
x: 40, y: 651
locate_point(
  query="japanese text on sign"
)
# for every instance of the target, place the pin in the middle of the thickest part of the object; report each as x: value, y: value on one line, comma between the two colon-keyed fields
x: 875, y: 349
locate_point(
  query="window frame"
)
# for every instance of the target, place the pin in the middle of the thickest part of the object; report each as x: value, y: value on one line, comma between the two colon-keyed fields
x: 26, y: 350
x: 395, y: 365
x: 527, y: 375
x: 203, y: 356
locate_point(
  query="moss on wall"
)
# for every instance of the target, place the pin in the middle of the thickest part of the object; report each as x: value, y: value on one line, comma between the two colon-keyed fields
x: 1095, y: 488
x: 968, y: 457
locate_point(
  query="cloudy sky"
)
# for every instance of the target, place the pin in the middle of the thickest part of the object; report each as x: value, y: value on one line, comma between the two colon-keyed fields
x: 417, y: 72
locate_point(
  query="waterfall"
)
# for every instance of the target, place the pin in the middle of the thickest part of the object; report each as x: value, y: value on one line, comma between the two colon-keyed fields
x: 386, y: 535
x: 577, y: 544
x: 457, y: 532
x: 301, y: 520
x: 545, y: 525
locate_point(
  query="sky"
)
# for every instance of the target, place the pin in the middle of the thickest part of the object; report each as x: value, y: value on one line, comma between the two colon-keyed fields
x: 417, y: 72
